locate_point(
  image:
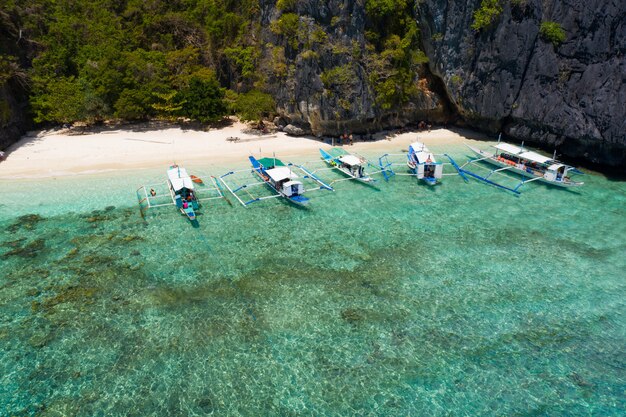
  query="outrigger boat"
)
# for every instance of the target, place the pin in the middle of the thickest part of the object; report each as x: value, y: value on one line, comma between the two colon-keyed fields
x: 421, y: 163
x: 526, y: 163
x: 181, y: 190
x: 281, y: 178
x: 350, y: 164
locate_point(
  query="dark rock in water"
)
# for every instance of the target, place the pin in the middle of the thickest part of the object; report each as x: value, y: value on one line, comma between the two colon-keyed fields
x: 351, y: 315
x: 33, y: 292
x: 580, y: 381
x: 71, y: 294
x: 40, y: 339
x: 28, y: 222
x: 29, y: 250
x: 131, y: 238
x: 135, y: 253
x: 109, y: 208
x: 206, y: 405
x: 97, y: 218
x: 13, y: 243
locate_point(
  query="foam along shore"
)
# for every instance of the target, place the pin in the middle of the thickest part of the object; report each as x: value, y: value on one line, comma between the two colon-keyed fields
x: 58, y: 153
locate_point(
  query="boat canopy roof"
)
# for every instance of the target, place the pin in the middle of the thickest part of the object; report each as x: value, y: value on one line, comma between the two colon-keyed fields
x: 350, y: 160
x: 555, y: 167
x: 535, y: 157
x: 418, y: 147
x: 179, y: 178
x: 271, y: 162
x: 280, y: 173
x: 337, y: 152
x: 423, y: 157
x: 506, y: 147
x: 290, y: 183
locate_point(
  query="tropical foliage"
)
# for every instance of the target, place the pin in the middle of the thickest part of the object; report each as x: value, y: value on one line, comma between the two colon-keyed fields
x: 197, y: 59
x: 552, y: 32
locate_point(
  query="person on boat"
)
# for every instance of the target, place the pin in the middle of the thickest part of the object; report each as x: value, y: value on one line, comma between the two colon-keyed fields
x: 185, y: 205
x: 152, y: 192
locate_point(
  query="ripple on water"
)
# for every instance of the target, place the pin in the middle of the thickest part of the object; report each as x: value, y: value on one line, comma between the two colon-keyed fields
x: 456, y: 300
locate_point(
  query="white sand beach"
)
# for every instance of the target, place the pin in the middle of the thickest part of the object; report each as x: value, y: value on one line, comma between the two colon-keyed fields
x: 59, y: 153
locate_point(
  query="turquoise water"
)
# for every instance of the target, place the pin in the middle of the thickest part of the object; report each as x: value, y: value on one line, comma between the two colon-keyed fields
x: 400, y: 300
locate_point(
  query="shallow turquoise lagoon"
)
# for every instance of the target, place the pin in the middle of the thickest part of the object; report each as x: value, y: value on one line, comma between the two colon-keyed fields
x: 400, y: 299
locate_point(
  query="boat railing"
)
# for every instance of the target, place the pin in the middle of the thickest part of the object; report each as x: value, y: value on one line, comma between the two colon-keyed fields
x: 237, y: 189
x: 387, y: 165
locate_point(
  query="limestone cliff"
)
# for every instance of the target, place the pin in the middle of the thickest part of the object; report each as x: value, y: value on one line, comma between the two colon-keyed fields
x: 14, y: 114
x: 325, y: 76
x: 569, y: 95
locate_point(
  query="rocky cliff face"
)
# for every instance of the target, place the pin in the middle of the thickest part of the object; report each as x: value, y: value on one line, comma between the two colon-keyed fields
x: 505, y: 77
x: 508, y: 77
x: 14, y: 116
x: 322, y: 75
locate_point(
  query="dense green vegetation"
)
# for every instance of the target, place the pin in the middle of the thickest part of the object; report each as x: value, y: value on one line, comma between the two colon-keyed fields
x: 93, y: 60
x: 136, y: 59
x: 486, y: 14
x: 552, y: 32
x: 393, y: 53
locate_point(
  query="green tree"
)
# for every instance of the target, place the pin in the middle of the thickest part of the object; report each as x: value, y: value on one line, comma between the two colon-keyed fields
x: 202, y: 100
x: 253, y: 105
x: 486, y: 14
x: 62, y: 101
x: 552, y: 32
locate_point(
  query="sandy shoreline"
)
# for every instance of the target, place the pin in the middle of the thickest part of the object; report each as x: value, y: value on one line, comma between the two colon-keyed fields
x: 57, y: 153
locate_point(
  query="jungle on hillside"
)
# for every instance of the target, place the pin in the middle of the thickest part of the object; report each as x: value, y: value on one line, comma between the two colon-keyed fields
x: 92, y: 60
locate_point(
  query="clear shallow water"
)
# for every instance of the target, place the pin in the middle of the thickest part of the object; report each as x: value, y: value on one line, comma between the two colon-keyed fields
x: 402, y: 300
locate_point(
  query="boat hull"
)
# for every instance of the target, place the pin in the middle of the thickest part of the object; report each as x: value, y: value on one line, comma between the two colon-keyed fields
x: 365, y: 180
x: 298, y: 200
x: 190, y: 214
x: 428, y: 181
x: 488, y: 157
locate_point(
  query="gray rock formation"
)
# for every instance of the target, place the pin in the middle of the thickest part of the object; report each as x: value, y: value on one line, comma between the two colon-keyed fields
x: 14, y: 120
x: 570, y: 96
x: 505, y: 77
x: 321, y: 82
x: 294, y: 130
x: 14, y: 110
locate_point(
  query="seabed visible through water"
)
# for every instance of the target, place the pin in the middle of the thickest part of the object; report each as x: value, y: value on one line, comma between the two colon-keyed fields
x: 400, y: 299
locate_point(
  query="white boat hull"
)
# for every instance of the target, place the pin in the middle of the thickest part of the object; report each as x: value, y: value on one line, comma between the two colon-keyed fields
x: 488, y: 157
x: 427, y: 180
x: 351, y: 175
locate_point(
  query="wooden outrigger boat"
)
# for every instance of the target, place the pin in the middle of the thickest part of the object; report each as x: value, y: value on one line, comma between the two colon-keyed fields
x: 279, y: 177
x: 351, y: 165
x: 421, y: 164
x: 528, y: 164
x: 181, y: 189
